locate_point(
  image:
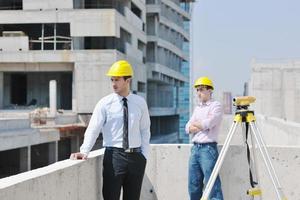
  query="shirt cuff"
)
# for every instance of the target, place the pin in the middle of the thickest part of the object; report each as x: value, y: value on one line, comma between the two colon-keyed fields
x: 84, y: 152
x: 187, y: 129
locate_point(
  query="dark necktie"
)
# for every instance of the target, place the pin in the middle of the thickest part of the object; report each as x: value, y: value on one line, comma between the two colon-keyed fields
x: 125, y: 126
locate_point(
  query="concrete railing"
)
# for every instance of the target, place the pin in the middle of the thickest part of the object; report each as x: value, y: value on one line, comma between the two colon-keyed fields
x: 17, y: 43
x: 275, y: 131
x: 165, y: 178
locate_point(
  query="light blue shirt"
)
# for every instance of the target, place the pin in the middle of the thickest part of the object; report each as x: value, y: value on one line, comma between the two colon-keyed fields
x: 108, y: 118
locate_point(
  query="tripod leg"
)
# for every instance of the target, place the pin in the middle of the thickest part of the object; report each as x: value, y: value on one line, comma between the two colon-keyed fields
x: 219, y: 163
x: 254, y: 161
x: 254, y: 154
x: 262, y: 147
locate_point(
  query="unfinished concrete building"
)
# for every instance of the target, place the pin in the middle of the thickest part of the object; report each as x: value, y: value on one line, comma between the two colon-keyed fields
x: 73, y: 43
x: 276, y: 85
x: 55, y: 54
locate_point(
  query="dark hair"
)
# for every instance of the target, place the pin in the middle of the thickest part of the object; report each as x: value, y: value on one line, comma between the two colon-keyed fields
x: 127, y: 77
x: 209, y: 87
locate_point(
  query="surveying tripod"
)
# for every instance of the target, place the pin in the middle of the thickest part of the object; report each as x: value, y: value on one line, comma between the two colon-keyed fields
x: 246, y: 117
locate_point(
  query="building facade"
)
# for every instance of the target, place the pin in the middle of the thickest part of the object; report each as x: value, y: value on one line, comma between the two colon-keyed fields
x: 168, y: 69
x: 276, y: 86
x: 74, y: 42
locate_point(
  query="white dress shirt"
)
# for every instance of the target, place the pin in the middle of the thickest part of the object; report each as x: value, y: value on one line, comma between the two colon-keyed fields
x: 108, y: 118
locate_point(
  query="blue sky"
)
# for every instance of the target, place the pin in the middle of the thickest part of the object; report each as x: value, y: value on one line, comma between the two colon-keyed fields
x: 227, y: 34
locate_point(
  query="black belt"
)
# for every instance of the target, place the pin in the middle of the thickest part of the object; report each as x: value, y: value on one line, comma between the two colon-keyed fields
x: 204, y: 144
x: 130, y: 150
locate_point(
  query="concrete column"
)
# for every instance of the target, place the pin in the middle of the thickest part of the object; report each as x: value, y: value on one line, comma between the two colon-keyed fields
x: 79, y: 3
x: 75, y: 144
x: 78, y: 43
x: 177, y: 97
x: 158, y: 127
x: 156, y: 25
x: 1, y: 89
x: 53, y: 96
x: 25, y: 159
x: 55, y: 36
x: 43, y: 31
x: 74, y: 102
x: 53, y: 152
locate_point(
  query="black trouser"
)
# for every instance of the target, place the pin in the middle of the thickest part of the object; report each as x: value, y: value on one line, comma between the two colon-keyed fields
x: 121, y: 169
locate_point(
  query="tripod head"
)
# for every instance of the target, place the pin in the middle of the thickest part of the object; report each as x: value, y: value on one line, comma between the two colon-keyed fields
x: 243, y: 102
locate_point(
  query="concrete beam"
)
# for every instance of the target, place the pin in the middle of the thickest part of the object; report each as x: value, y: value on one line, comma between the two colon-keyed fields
x: 27, y: 137
x: 1, y: 89
x: 25, y: 159
x: 47, y: 4
x: 53, y: 97
x: 53, y: 152
x: 75, y: 143
x: 56, y: 57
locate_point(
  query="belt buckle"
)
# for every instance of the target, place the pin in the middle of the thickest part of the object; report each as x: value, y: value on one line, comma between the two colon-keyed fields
x: 128, y: 150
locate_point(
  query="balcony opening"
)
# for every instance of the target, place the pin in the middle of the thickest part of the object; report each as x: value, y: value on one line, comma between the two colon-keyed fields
x: 150, y: 1
x: 151, y: 24
x: 136, y: 10
x: 31, y: 90
x: 42, y: 36
x: 100, y: 4
x: 142, y: 48
x: 39, y: 156
x: 125, y: 36
x: 98, y: 43
x: 157, y: 88
x: 164, y: 129
x: 11, y: 4
x: 186, y: 5
x: 151, y: 55
x: 141, y: 87
x: 18, y: 89
x: 9, y: 162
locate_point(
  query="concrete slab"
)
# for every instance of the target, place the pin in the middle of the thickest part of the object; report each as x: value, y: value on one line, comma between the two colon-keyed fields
x: 27, y: 137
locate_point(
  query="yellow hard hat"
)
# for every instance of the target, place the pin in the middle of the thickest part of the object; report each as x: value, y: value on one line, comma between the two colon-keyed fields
x: 120, y: 68
x: 204, y: 81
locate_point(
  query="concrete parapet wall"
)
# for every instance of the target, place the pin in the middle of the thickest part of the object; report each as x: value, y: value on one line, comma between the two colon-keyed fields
x: 19, y: 43
x: 47, y: 4
x: 275, y: 131
x: 165, y: 178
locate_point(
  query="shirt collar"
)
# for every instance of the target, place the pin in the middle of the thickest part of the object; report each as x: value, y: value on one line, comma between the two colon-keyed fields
x: 207, y: 103
x: 120, y: 98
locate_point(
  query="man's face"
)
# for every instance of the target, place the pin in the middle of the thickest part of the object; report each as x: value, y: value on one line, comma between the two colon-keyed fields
x: 119, y: 84
x: 203, y: 92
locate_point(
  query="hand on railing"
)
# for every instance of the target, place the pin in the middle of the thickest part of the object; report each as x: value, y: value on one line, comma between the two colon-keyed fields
x: 78, y: 156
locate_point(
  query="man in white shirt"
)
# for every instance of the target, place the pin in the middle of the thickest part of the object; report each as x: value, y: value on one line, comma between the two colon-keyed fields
x: 124, y: 121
